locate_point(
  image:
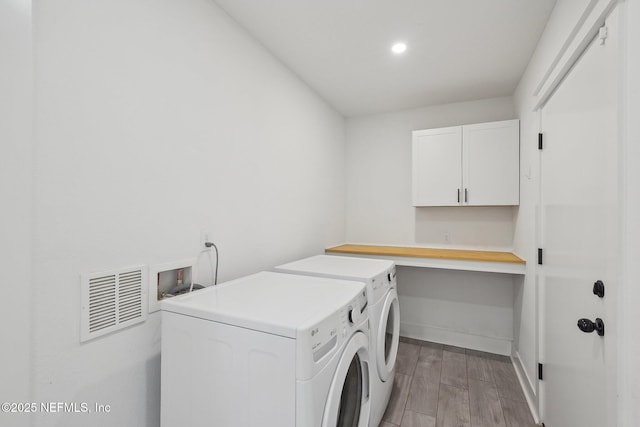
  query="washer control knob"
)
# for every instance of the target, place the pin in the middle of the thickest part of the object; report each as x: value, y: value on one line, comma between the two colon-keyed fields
x: 352, y: 315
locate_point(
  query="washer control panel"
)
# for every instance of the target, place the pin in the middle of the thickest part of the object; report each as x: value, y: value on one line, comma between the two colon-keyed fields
x: 382, y: 283
x: 318, y: 341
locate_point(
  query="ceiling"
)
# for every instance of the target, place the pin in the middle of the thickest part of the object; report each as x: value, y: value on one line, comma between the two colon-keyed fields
x: 458, y: 50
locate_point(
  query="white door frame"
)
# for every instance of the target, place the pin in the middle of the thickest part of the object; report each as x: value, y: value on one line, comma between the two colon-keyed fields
x: 629, y: 283
x: 579, y: 38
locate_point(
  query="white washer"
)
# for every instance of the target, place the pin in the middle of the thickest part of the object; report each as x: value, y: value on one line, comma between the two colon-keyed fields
x: 384, y: 314
x: 267, y: 350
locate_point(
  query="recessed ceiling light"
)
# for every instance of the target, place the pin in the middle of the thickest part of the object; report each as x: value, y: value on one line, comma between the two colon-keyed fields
x: 399, y: 48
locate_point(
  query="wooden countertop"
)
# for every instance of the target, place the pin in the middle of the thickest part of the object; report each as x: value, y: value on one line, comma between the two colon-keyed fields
x: 451, y: 259
x: 458, y: 254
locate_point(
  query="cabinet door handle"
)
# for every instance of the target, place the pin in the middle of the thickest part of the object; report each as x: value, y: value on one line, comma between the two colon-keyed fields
x: 458, y: 195
x: 466, y: 195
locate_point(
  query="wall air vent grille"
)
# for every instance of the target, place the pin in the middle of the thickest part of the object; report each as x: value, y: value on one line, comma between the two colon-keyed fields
x: 111, y: 301
x: 102, y: 303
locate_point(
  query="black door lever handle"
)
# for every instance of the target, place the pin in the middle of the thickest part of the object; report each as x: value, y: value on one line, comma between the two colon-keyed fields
x: 586, y: 325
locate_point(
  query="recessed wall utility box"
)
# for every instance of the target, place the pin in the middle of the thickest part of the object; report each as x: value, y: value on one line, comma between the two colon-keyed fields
x: 165, y: 277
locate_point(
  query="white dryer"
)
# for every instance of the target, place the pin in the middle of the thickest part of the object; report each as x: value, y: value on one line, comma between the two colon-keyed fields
x: 267, y: 350
x: 384, y: 314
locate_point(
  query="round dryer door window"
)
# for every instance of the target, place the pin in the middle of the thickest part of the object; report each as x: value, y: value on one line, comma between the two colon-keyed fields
x: 388, y: 336
x: 351, y: 398
x: 348, y: 402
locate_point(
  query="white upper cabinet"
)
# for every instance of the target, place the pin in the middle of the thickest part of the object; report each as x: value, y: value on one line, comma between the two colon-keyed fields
x: 471, y: 165
x: 437, y: 166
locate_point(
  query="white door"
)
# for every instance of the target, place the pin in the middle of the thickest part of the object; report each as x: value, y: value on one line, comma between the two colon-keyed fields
x: 437, y: 167
x: 579, y: 201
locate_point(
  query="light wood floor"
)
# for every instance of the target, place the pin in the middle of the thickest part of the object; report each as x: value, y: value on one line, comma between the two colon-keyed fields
x: 444, y: 386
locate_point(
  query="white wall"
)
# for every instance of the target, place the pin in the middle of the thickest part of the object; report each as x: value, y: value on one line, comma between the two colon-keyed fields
x: 16, y: 90
x: 379, y: 211
x: 156, y: 120
x: 465, y: 308
x: 563, y: 19
x: 379, y: 181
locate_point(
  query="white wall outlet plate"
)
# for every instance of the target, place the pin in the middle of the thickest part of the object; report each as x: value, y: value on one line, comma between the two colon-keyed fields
x: 205, y: 236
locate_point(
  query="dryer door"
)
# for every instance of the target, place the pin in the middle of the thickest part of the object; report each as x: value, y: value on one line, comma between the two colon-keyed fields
x: 348, y: 402
x: 388, y: 336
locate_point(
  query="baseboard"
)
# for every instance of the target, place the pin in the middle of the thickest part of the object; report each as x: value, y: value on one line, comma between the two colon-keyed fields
x: 527, y: 383
x: 460, y: 339
x: 527, y: 386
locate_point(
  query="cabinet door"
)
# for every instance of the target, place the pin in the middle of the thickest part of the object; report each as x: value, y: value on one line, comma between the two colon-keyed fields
x: 491, y: 163
x: 437, y: 166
